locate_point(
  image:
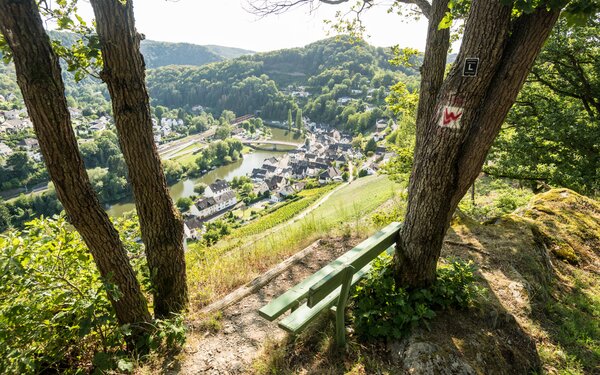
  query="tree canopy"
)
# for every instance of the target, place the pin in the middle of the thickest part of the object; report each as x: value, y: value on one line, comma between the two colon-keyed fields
x: 552, y: 132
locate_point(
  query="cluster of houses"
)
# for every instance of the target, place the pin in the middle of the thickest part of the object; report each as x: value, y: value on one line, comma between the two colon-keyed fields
x: 345, y: 100
x: 17, y: 120
x: 28, y: 145
x: 323, y: 157
x: 296, y: 92
x: 14, y: 121
x: 86, y: 129
x: 218, y: 198
x: 165, y: 128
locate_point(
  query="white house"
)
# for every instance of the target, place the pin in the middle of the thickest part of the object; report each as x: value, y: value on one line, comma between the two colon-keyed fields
x: 5, y: 150
x: 192, y: 227
x: 212, y: 205
x: 330, y: 174
x: 344, y: 100
x: 35, y: 156
x: 217, y: 188
x: 12, y: 114
x: 29, y: 144
x: 370, y: 171
x: 275, y: 197
x: 75, y: 112
x: 97, y: 126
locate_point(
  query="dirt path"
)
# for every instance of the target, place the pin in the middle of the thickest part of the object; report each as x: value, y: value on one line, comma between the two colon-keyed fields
x: 232, y: 349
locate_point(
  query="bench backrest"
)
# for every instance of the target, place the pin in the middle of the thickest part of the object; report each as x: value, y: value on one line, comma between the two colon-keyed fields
x: 360, y: 256
x: 321, y: 283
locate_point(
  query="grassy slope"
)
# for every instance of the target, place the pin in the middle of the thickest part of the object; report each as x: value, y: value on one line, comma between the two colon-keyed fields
x: 540, y: 269
x: 281, y: 213
x: 214, y: 271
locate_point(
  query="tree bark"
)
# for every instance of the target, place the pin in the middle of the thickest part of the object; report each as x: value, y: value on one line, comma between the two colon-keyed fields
x: 39, y: 78
x: 161, y: 224
x: 448, y: 160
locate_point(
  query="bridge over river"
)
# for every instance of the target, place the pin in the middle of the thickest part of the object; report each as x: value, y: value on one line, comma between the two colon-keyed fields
x: 255, y: 143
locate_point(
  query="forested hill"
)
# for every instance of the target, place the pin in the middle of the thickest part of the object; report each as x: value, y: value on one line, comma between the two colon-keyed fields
x: 157, y: 54
x: 333, y: 81
x: 315, y: 77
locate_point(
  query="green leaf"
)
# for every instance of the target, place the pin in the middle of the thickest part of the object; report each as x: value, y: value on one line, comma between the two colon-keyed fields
x: 102, y: 361
x: 446, y: 22
x: 125, y: 365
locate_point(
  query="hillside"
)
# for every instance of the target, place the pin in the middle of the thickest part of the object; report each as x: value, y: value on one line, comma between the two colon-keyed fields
x: 538, y: 309
x: 228, y: 52
x: 157, y: 54
x: 336, y: 81
x: 330, y: 80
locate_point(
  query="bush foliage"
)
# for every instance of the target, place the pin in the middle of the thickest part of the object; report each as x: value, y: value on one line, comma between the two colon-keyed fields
x: 383, y: 310
x: 54, y: 310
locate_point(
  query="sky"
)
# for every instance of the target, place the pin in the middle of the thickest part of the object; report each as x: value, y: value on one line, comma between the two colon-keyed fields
x: 227, y: 23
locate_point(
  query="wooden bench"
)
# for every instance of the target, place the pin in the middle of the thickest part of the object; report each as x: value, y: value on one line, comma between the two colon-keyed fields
x: 330, y: 286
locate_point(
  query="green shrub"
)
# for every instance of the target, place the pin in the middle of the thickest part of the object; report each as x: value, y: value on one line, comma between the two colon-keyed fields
x: 54, y: 311
x: 184, y: 203
x: 381, y: 309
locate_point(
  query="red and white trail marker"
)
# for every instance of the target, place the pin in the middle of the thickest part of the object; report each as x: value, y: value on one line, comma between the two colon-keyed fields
x: 451, y: 117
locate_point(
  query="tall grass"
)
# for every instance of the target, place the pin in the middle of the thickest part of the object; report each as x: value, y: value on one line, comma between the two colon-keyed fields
x: 212, y: 272
x: 282, y: 214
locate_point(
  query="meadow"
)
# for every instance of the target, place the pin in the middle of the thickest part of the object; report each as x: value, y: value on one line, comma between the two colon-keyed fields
x: 246, y: 253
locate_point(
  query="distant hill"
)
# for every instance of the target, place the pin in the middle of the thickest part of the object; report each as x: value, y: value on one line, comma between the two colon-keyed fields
x: 228, y: 52
x: 333, y: 80
x: 157, y: 54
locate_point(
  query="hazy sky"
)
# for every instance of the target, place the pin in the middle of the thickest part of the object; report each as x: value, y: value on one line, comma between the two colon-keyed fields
x: 225, y: 22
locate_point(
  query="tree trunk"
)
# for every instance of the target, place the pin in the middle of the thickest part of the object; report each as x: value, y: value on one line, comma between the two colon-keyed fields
x: 448, y: 159
x: 39, y: 77
x: 161, y: 224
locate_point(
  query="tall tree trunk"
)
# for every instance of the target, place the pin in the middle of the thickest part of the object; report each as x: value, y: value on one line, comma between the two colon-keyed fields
x: 39, y: 77
x: 161, y: 224
x: 448, y: 159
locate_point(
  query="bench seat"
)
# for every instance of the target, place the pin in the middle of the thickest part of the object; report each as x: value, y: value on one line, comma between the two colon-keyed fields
x: 330, y: 286
x: 304, y: 315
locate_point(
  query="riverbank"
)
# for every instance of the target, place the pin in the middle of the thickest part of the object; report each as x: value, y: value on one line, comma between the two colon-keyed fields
x: 250, y: 160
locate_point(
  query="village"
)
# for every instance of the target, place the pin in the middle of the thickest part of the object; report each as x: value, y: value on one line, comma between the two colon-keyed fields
x: 12, y: 122
x: 326, y: 157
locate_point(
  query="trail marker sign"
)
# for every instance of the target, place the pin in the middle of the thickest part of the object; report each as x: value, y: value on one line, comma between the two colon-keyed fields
x: 450, y: 117
x: 471, y: 66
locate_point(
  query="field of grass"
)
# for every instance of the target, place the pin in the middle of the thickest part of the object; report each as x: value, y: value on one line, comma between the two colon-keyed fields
x: 215, y: 271
x: 186, y: 159
x: 188, y: 154
x: 282, y: 214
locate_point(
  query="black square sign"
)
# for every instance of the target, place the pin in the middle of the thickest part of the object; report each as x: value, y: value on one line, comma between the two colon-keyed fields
x: 471, y: 65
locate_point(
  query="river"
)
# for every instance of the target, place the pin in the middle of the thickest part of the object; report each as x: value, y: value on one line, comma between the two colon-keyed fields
x: 185, y: 187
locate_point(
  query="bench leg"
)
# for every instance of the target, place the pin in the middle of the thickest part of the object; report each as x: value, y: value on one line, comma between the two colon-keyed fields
x: 340, y: 326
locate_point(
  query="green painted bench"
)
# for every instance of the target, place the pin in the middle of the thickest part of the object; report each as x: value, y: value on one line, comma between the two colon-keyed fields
x: 330, y: 286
